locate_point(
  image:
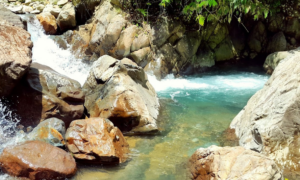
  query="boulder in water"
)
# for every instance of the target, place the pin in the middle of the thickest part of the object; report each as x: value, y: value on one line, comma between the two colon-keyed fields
x: 122, y: 93
x: 44, y: 93
x: 97, y: 141
x: 224, y: 163
x: 269, y: 123
x: 51, y: 131
x: 15, y: 56
x: 37, y: 160
x: 48, y: 22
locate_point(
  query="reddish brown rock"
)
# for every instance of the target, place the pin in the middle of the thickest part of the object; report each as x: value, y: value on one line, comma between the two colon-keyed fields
x: 50, y: 95
x: 37, y: 160
x: 15, y: 56
x: 48, y: 22
x: 96, y: 140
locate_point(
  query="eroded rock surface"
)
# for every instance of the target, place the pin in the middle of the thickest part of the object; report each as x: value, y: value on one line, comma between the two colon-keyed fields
x: 269, y: 123
x: 227, y: 163
x: 121, y: 92
x: 15, y: 56
x: 37, y: 160
x: 96, y: 140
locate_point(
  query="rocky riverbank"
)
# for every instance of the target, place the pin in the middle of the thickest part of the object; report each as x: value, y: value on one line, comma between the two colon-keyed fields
x: 85, y: 124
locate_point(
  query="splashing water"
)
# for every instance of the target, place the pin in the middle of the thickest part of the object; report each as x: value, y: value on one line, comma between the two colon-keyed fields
x: 47, y: 52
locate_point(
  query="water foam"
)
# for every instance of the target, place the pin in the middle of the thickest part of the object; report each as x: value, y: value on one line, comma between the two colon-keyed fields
x: 47, y: 52
x: 231, y: 81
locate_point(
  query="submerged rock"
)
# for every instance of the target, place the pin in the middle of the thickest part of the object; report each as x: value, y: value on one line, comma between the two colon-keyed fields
x: 51, y: 131
x: 97, y: 141
x: 15, y: 56
x: 45, y: 93
x: 37, y: 160
x: 48, y: 22
x: 121, y: 92
x: 226, y: 163
x: 269, y: 123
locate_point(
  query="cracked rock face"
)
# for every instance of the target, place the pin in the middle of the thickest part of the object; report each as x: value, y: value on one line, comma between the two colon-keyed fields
x: 269, y: 123
x: 119, y: 91
x: 15, y: 56
x: 227, y: 163
x: 96, y: 141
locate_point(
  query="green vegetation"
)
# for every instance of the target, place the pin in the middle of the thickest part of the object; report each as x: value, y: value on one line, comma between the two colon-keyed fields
x: 208, y: 10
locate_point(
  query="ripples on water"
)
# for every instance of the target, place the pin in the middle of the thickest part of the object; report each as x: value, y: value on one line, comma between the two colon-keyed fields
x: 195, y: 112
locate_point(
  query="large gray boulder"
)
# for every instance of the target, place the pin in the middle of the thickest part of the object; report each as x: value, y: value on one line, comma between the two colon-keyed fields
x: 269, y: 123
x: 119, y: 91
x: 227, y: 163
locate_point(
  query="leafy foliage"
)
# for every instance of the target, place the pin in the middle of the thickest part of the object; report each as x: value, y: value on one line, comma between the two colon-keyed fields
x: 225, y: 10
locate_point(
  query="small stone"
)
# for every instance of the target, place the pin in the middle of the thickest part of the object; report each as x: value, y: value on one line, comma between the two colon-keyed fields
x: 35, y: 12
x: 62, y: 2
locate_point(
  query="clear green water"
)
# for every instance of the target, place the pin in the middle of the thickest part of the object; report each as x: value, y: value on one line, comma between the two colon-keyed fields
x: 195, y: 112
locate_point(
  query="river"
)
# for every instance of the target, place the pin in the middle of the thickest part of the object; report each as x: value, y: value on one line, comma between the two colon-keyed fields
x: 195, y: 112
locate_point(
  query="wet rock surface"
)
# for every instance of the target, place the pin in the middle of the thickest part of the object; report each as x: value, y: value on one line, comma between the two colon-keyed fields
x: 225, y: 163
x: 50, y: 95
x: 37, y: 160
x: 48, y: 22
x: 51, y: 131
x: 121, y: 93
x: 96, y: 141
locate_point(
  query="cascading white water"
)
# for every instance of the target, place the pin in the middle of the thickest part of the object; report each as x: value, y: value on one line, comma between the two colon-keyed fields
x: 45, y: 51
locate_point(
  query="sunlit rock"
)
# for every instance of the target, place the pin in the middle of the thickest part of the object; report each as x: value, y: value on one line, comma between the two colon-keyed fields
x: 37, y: 160
x: 122, y: 48
x: 48, y: 22
x: 96, y: 141
x: 53, y: 10
x: 141, y: 41
x: 269, y: 123
x: 121, y: 92
x: 47, y: 94
x: 224, y: 163
x: 10, y: 17
x: 51, y: 131
x: 66, y: 19
x: 15, y: 56
x: 140, y: 55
